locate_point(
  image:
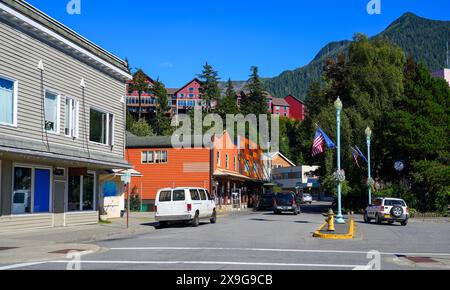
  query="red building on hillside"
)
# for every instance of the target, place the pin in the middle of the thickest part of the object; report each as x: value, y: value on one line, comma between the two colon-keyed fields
x: 297, y: 108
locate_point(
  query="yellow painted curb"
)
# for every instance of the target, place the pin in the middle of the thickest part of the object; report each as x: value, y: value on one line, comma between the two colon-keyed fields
x: 348, y: 236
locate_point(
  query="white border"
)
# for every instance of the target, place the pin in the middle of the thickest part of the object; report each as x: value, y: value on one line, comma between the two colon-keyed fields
x: 15, y: 101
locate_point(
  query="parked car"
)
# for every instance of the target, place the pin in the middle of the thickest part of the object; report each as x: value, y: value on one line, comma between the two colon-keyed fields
x: 184, y: 204
x: 387, y: 209
x: 286, y: 202
x: 266, y: 201
x: 307, y: 198
x: 21, y: 201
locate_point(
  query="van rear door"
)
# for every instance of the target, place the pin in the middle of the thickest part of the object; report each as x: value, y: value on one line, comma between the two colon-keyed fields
x: 164, y: 203
x: 179, y: 202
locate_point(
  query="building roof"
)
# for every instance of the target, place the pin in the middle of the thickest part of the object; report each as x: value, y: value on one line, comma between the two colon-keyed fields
x: 272, y: 155
x: 25, y: 13
x: 280, y: 102
x: 295, y: 98
x: 171, y: 91
x: 193, y: 80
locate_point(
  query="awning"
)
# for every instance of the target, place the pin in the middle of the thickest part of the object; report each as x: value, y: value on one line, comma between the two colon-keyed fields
x: 231, y: 174
x: 122, y: 172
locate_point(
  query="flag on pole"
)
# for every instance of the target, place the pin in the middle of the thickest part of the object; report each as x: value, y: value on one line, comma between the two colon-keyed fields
x: 361, y: 154
x: 327, y: 139
x: 319, y: 139
x: 318, y: 144
x: 356, y: 156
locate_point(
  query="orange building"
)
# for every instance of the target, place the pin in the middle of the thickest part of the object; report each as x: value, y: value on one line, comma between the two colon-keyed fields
x: 225, y: 170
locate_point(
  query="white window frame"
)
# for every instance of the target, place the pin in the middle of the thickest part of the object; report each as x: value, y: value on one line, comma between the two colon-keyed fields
x: 73, y: 128
x: 227, y: 161
x: 58, y: 112
x: 15, y: 101
x: 109, y: 139
x: 33, y: 168
x: 80, y: 210
x: 219, y: 157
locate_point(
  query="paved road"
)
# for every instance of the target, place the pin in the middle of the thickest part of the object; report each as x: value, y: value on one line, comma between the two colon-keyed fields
x: 262, y: 240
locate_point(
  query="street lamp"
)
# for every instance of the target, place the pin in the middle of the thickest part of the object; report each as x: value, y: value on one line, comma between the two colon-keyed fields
x: 338, y: 105
x: 369, y: 179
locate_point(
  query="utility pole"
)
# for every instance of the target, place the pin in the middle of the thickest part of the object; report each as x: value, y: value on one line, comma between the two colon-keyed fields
x: 447, y: 57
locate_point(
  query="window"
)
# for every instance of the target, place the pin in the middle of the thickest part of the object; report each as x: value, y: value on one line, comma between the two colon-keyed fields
x: 51, y: 105
x: 191, y: 96
x: 101, y: 127
x: 226, y: 161
x: 194, y: 194
x: 178, y: 195
x: 218, y: 159
x: 191, y: 89
x: 144, y: 159
x: 235, y: 163
x: 164, y: 157
x: 8, y: 102
x: 71, y: 118
x: 150, y: 157
x: 31, y: 190
x: 81, y: 193
x: 165, y: 196
x: 203, y: 194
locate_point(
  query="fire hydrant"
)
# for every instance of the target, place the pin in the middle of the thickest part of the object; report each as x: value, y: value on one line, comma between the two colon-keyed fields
x: 330, y: 221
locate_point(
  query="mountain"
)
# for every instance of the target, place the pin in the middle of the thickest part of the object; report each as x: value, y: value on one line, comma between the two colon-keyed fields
x: 422, y: 38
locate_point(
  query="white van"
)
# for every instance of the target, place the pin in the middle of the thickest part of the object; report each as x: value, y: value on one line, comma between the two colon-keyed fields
x: 188, y: 204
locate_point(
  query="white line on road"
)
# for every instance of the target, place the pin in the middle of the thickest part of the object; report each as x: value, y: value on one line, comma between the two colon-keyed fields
x: 212, y: 263
x: 18, y: 266
x: 269, y: 250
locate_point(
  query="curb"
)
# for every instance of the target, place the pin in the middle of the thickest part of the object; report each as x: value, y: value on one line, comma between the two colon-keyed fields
x: 350, y: 235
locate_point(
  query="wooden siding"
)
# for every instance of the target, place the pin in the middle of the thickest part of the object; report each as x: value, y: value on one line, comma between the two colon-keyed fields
x: 171, y: 174
x: 81, y: 218
x: 25, y: 222
x: 20, y: 54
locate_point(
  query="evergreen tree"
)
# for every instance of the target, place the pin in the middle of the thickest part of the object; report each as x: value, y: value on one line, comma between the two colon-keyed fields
x: 161, y: 121
x: 140, y: 84
x: 255, y: 101
x: 210, y: 85
x: 228, y: 104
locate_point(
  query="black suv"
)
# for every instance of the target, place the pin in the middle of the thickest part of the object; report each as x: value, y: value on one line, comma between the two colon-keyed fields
x: 286, y: 202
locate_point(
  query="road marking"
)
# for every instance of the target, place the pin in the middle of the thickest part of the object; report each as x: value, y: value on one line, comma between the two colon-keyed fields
x: 270, y: 250
x: 212, y: 263
x: 17, y: 266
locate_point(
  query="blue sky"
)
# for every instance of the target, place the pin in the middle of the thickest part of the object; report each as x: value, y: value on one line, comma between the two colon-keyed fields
x: 172, y: 39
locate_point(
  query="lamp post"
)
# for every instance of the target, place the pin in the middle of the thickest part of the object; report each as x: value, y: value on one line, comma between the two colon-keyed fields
x: 369, y: 179
x: 338, y: 105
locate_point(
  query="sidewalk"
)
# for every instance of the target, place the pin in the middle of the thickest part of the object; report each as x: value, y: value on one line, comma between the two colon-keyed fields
x: 40, y: 245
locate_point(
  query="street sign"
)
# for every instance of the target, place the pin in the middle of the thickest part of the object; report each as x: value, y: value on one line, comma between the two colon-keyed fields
x: 399, y: 166
x: 126, y: 178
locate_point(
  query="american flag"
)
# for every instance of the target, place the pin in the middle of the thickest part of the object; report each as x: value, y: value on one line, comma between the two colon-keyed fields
x: 318, y: 144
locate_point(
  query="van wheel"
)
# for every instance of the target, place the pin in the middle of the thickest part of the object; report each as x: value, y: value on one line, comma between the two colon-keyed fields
x: 196, y: 220
x: 213, y: 219
x: 163, y: 225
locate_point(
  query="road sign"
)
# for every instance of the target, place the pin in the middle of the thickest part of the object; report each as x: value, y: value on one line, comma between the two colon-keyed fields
x: 126, y: 178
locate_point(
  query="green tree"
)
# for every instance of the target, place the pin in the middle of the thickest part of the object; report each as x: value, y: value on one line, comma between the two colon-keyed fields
x: 140, y: 84
x: 141, y: 128
x: 228, y: 104
x: 255, y: 101
x: 210, y: 85
x: 161, y: 121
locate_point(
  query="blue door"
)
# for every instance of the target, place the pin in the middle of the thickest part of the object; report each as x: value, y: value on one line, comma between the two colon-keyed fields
x: 42, y: 191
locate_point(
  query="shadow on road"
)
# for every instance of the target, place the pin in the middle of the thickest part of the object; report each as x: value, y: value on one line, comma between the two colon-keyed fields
x: 317, y: 208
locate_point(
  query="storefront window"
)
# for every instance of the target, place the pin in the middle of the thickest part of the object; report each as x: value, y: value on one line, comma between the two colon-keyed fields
x: 22, y: 191
x: 81, y: 191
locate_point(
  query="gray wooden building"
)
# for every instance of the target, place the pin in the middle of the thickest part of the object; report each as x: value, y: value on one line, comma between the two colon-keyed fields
x: 62, y: 119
